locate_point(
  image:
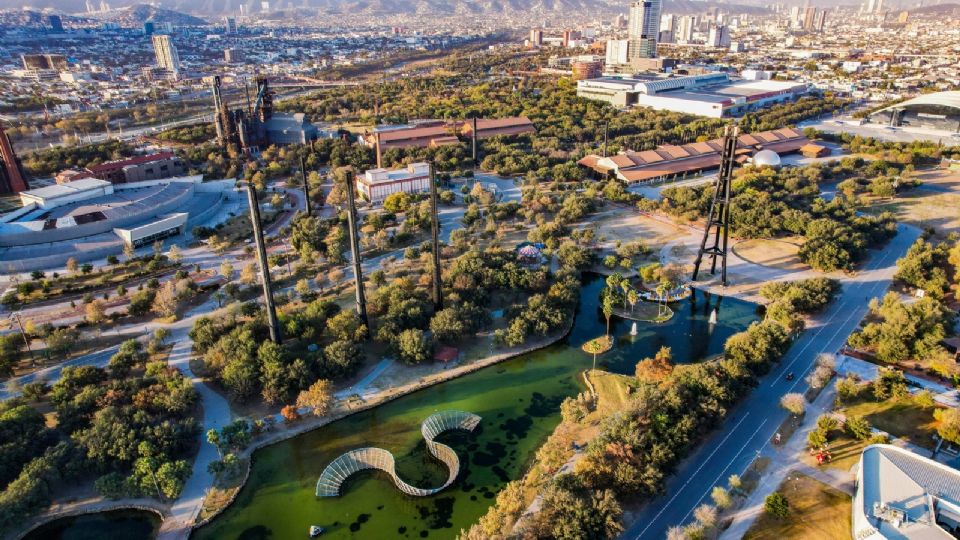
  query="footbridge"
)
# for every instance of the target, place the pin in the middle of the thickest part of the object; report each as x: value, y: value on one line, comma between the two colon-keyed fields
x: 361, y: 459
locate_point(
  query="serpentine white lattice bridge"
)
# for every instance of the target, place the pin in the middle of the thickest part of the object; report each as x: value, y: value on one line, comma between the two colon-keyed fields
x: 377, y: 458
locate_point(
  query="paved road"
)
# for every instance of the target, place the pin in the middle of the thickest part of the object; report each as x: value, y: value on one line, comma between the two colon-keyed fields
x: 51, y: 374
x: 752, y: 425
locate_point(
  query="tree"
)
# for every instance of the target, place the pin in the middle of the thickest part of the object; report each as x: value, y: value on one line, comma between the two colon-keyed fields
x: 166, y: 300
x: 777, y: 505
x: 657, y: 369
x: 414, y: 347
x: 290, y: 413
x: 95, y: 312
x: 226, y: 270
x: 72, y: 265
x: 794, y: 403
x: 319, y: 397
x: 62, y: 340
x: 608, y: 309
x: 397, y: 202
x: 706, y: 516
x: 174, y: 254
x: 721, y: 497
x: 948, y: 424
x: 346, y: 325
x: 248, y: 275
x: 213, y: 437
x: 858, y: 427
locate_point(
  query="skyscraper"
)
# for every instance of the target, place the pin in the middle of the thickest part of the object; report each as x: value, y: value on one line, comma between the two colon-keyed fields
x: 231, y: 24
x: 56, y: 23
x: 719, y: 36
x: 166, y: 51
x: 685, y: 30
x: 644, y: 28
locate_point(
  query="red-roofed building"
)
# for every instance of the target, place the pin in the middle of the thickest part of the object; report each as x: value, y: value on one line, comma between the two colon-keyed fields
x: 671, y: 161
x: 140, y: 168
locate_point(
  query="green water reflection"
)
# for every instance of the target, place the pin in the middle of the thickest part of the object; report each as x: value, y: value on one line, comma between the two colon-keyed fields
x: 116, y: 525
x: 519, y: 401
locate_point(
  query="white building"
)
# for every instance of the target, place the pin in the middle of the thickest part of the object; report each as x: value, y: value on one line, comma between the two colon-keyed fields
x: 617, y: 52
x: 644, y: 28
x: 719, y: 37
x: 376, y: 184
x: 166, y: 52
x: 903, y: 496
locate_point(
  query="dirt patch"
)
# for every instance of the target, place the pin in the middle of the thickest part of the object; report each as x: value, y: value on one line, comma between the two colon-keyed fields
x: 779, y: 254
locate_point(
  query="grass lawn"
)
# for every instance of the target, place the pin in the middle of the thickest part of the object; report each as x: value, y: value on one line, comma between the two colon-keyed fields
x: 816, y: 511
x: 844, y: 452
x: 901, y: 418
x: 613, y: 390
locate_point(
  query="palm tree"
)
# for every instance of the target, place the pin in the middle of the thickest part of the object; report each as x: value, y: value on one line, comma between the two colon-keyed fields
x: 633, y: 298
x: 608, y: 310
x: 662, y: 289
x: 625, y: 285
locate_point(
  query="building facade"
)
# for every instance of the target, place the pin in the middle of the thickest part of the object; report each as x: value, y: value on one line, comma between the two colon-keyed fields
x: 166, y: 53
x: 12, y: 177
x: 376, y: 184
x: 644, y: 28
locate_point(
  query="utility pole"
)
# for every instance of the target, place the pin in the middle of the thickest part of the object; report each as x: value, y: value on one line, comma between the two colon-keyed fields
x: 718, y: 222
x: 355, y: 250
x: 306, y: 186
x: 272, y: 322
x: 16, y: 315
x: 437, y: 288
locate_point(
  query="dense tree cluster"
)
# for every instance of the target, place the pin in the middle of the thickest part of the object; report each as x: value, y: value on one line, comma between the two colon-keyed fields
x: 58, y: 158
x: 769, y: 202
x: 896, y: 331
x: 930, y: 266
x: 238, y: 354
x: 132, y: 423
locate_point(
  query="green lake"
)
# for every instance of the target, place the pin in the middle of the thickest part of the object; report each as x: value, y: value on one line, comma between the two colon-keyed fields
x: 115, y: 525
x: 519, y: 401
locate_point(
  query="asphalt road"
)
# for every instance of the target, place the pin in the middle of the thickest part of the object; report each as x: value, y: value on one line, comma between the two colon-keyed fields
x: 51, y: 374
x: 755, y: 421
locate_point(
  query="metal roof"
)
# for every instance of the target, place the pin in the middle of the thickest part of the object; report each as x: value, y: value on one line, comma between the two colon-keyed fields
x: 943, y: 99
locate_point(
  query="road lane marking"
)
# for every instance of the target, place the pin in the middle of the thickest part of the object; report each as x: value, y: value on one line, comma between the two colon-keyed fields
x: 690, y: 479
x: 725, y: 469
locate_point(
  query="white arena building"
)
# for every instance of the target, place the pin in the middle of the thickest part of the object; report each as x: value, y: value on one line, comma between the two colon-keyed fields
x: 903, y: 496
x: 91, y: 219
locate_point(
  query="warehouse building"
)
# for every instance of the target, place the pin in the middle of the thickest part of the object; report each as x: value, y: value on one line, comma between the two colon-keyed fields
x: 672, y: 161
x: 712, y: 94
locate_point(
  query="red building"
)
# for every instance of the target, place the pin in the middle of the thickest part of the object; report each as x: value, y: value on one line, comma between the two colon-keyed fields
x: 12, y: 177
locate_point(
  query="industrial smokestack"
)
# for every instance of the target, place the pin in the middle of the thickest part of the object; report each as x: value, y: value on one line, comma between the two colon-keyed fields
x: 476, y: 160
x: 355, y: 250
x: 379, y: 151
x: 437, y: 288
x: 272, y: 322
x: 306, y: 186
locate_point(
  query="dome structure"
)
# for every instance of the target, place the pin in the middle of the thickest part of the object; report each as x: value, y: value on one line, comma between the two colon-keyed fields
x: 766, y: 158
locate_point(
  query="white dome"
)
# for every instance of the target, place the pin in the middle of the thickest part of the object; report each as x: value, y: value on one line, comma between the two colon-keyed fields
x: 766, y: 157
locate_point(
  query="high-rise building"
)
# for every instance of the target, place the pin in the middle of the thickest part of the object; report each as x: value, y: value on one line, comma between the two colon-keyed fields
x: 233, y: 56
x: 166, y: 52
x: 90, y: 7
x: 12, y: 177
x: 820, y: 20
x: 685, y: 29
x: 149, y: 28
x: 809, y: 15
x: 536, y: 37
x: 231, y: 24
x: 617, y: 52
x: 878, y: 9
x: 55, y: 22
x: 668, y: 29
x: 644, y: 28
x: 620, y: 21
x: 904, y: 17
x: 569, y: 36
x: 719, y: 36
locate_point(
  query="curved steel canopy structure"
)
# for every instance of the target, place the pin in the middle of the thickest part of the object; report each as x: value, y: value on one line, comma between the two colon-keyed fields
x: 377, y: 458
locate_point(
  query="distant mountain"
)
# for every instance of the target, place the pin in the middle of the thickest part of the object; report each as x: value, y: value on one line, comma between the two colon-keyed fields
x: 26, y: 17
x: 941, y: 9
x: 137, y: 14
x: 440, y: 8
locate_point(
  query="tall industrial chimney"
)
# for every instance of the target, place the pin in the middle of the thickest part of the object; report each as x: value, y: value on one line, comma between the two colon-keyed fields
x: 437, y: 288
x: 272, y: 322
x: 355, y: 250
